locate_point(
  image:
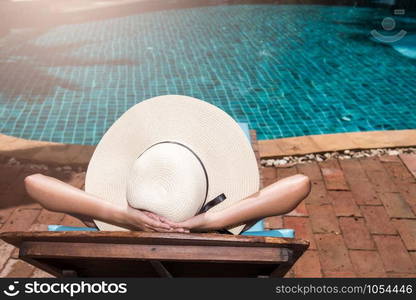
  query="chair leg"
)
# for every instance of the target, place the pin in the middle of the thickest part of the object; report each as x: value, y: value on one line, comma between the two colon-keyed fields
x: 160, y: 269
x: 69, y: 274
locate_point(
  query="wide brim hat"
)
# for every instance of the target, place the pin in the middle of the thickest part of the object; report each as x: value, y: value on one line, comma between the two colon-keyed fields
x: 173, y: 155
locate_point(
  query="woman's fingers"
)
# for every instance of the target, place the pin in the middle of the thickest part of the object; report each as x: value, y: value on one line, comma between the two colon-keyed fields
x: 154, y: 223
x: 167, y: 221
x: 158, y: 229
x: 147, y: 229
x: 157, y: 223
x: 162, y: 219
x: 194, y: 222
x: 152, y: 216
x: 149, y: 221
x: 157, y: 217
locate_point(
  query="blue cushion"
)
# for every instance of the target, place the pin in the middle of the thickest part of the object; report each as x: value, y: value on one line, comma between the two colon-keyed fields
x: 70, y: 228
x: 286, y: 233
x: 259, y: 226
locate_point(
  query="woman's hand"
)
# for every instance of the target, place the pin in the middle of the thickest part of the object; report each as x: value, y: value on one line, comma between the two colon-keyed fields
x: 150, y: 222
x: 201, y: 222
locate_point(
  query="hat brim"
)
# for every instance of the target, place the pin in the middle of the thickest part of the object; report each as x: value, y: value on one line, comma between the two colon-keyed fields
x: 211, y: 133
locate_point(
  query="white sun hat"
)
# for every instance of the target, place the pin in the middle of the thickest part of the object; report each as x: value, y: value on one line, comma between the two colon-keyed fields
x: 174, y: 156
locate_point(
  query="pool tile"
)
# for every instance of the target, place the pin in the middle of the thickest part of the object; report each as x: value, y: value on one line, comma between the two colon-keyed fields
x: 286, y: 70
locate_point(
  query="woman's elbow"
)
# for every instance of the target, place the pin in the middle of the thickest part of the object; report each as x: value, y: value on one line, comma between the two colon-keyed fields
x: 32, y: 182
x: 302, y: 188
x: 305, y: 185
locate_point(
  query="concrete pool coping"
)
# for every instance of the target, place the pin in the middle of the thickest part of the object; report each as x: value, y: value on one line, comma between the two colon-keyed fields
x: 45, y: 152
x: 74, y: 154
x: 336, y: 142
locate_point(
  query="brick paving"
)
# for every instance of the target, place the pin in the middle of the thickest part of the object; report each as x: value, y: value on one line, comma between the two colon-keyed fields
x: 360, y: 217
x: 19, y: 212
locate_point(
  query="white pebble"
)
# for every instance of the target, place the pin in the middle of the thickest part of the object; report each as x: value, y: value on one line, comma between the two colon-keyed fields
x: 269, y: 162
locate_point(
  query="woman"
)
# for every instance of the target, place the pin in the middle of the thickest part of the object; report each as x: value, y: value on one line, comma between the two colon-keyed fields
x: 175, y: 156
x: 276, y: 199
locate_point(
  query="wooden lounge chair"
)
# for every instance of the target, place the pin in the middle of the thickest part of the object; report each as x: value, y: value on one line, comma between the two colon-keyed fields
x: 142, y: 254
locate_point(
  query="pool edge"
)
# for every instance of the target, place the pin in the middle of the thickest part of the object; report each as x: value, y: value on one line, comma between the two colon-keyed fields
x: 336, y: 142
x: 75, y: 154
x: 45, y: 152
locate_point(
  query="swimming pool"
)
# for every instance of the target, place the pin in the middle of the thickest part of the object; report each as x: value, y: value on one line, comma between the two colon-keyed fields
x: 287, y: 70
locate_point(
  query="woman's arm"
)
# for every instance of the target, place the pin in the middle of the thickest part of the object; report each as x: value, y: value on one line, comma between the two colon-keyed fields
x: 278, y: 198
x: 59, y: 196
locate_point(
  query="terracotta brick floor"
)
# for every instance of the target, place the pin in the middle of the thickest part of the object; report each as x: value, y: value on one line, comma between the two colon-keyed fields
x: 19, y: 212
x: 360, y: 216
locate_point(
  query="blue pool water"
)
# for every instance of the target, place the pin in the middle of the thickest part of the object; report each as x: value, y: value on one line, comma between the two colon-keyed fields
x: 286, y: 70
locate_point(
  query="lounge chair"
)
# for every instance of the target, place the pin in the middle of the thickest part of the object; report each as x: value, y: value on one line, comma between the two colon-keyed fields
x: 86, y: 252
